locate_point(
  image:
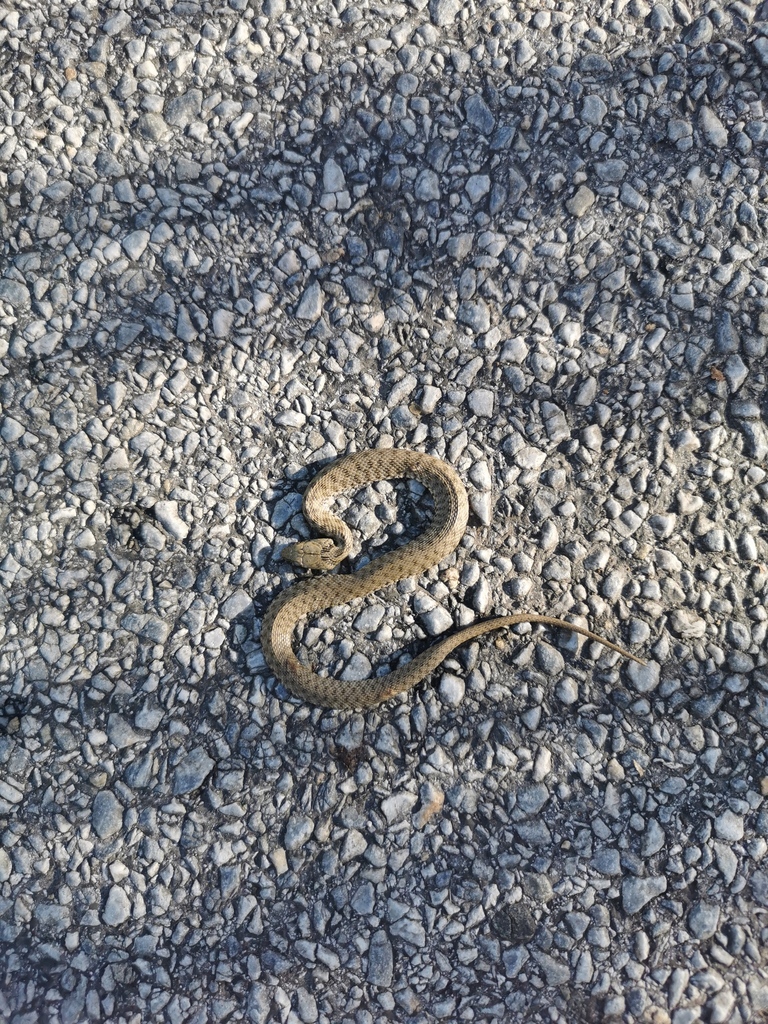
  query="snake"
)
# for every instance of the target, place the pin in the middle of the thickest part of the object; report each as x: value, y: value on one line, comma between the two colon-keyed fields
x: 317, y: 593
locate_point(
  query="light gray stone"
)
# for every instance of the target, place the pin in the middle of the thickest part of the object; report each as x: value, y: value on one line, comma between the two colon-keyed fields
x: 311, y: 305
x: 452, y: 689
x: 410, y: 931
x: 532, y: 797
x: 476, y: 315
x: 427, y: 186
x: 444, y: 12
x: 107, y: 814
x: 478, y: 186
x: 530, y: 458
x: 607, y: 862
x: 360, y: 289
x: 167, y: 514
x: 729, y: 826
x: 567, y: 691
x: 581, y: 201
x: 720, y: 1007
x: 122, y: 733
x: 654, y: 839
x: 259, y: 1002
x: 637, y: 892
x: 369, y: 619
x: 430, y: 396
x: 14, y: 293
x: 333, y: 177
x: 437, y: 620
x: 358, y: 667
x: 223, y: 320
x: 364, y: 900
x: 214, y: 638
x: 700, y: 32
x: 237, y: 603
x: 644, y: 678
x: 760, y: 45
x: 760, y: 887
x: 481, y: 402
x: 153, y: 127
x: 11, y: 430
x: 355, y: 844
x: 612, y: 170
x: 407, y: 84
x: 555, y: 971
x: 703, y: 920
x: 135, y: 244
x: 712, y: 128
x: 117, y: 909
x: 298, y: 831
x: 117, y: 23
x: 482, y: 595
x: 593, y: 110
x: 398, y: 806
x: 549, y: 659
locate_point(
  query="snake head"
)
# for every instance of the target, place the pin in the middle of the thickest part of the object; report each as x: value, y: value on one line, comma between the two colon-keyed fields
x: 320, y: 553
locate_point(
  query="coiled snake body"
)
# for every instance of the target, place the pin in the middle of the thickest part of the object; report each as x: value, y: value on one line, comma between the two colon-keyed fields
x: 313, y: 595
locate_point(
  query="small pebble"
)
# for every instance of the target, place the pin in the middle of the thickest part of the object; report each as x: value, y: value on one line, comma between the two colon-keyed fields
x: 729, y: 826
x: 451, y: 689
x: 192, y: 771
x: 107, y: 815
x: 637, y: 892
x: 117, y: 909
x: 167, y: 513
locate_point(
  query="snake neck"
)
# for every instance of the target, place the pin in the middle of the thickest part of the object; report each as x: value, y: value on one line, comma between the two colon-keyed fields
x: 446, y: 528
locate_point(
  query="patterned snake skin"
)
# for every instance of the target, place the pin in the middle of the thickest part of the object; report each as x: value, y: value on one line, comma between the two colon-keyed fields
x: 321, y: 592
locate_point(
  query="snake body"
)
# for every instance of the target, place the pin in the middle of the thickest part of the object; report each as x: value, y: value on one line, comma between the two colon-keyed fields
x: 444, y: 532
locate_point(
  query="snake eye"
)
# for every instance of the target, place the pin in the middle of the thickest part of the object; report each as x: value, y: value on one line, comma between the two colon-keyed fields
x: 320, y: 553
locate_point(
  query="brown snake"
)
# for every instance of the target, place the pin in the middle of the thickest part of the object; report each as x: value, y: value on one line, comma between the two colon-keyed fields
x: 318, y: 593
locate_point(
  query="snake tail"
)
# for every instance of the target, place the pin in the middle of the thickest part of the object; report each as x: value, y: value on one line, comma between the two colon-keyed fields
x: 336, y: 693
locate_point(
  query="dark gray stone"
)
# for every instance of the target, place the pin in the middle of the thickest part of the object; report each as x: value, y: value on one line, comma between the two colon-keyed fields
x: 760, y: 887
x: 726, y: 338
x: 380, y: 960
x: 479, y: 114
x: 184, y: 109
x: 359, y: 288
x: 192, y: 771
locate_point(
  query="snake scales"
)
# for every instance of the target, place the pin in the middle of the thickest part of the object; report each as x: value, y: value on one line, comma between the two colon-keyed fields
x: 321, y: 592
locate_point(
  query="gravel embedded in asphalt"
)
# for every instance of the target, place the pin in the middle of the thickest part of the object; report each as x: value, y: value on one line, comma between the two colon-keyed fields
x: 241, y: 240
